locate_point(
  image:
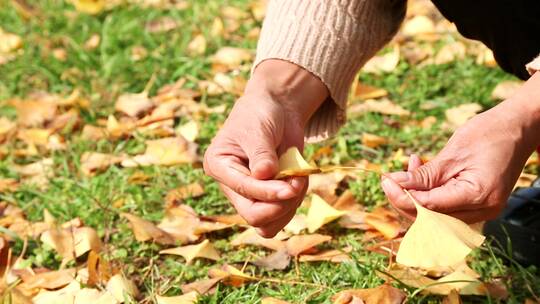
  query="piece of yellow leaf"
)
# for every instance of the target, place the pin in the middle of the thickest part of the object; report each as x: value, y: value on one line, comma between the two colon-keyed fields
x: 94, y: 161
x: 188, y: 298
x: 34, y: 113
x: 50, y: 279
x: 373, y: 141
x: 270, y: 300
x: 71, y: 243
x: 165, y: 151
x: 231, y: 57
x: 190, y: 252
x: 383, y: 63
x: 436, y: 240
x: 320, y: 213
x: 89, y: 6
x: 451, y: 52
x: 145, y: 230
x: 197, y: 46
x: 251, y: 237
x: 134, y: 104
x: 364, y: 92
x: 384, y: 221
x: 119, y: 286
x: 189, y: 130
x: 291, y: 163
x: 301, y: 243
x: 382, y: 106
x: 506, y: 89
x: 383, y: 294
x: 459, y: 115
x: 418, y: 26
x: 334, y: 256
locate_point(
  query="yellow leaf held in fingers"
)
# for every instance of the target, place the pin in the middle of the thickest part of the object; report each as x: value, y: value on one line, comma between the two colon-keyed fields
x: 291, y: 163
x: 436, y: 240
x: 320, y: 213
x: 190, y: 252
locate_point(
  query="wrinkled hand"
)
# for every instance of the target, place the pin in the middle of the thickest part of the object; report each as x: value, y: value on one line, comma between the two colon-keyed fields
x: 472, y: 177
x: 264, y: 123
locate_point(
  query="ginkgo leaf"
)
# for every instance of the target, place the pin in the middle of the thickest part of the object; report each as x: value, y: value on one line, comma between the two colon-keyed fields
x: 301, y: 243
x: 190, y: 130
x: 436, y: 240
x: 384, y: 221
x: 278, y: 260
x: 145, y: 230
x: 89, y: 6
x: 165, y: 151
x: 201, y: 287
x: 459, y: 115
x: 34, y: 113
x: 269, y: 300
x: 382, y: 294
x: 72, y: 242
x: 197, y: 46
x: 119, y: 286
x: 230, y: 275
x: 383, y: 63
x: 50, y: 279
x: 191, y: 252
x: 334, y: 256
x: 291, y: 163
x: 373, y: 141
x: 382, y: 106
x: 94, y: 161
x: 251, y: 237
x: 231, y: 57
x: 506, y: 89
x: 188, y: 298
x: 296, y: 225
x: 364, y: 92
x: 134, y: 104
x: 418, y: 26
x: 320, y: 213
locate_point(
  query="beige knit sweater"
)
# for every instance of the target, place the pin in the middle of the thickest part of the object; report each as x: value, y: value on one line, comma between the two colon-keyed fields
x: 332, y: 39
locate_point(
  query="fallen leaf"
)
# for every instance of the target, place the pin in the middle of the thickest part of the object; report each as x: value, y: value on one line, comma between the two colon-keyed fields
x: 145, y: 230
x: 119, y: 286
x: 7, y: 128
x: 451, y: 52
x: 231, y: 276
x: 291, y: 163
x: 229, y: 219
x: 320, y: 213
x: 165, y: 151
x: 354, y: 220
x: 436, y: 240
x: 383, y: 106
x: 384, y: 221
x: 459, y: 115
x: 188, y: 298
x: 92, y: 7
x: 506, y: 89
x: 8, y: 185
x: 50, y: 279
x: 269, y: 300
x: 92, y: 162
x: 418, y: 27
x: 161, y: 25
x: 383, y: 294
x: 72, y: 242
x: 134, y: 104
x: 35, y: 113
x: 9, y: 43
x: 201, y: 287
x: 197, y: 46
x: 231, y: 57
x: 93, y: 133
x: 383, y: 63
x: 326, y: 185
x: 296, y: 225
x: 452, y: 298
x: 373, y: 141
x: 278, y: 260
x: 301, y: 243
x: 347, y: 202
x: 189, y: 130
x: 364, y: 92
x: 191, y: 252
x: 334, y: 256
x: 251, y: 237
x: 178, y: 195
x: 93, y: 42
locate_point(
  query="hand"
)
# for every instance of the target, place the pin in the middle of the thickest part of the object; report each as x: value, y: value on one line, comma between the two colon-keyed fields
x: 264, y: 123
x: 472, y: 177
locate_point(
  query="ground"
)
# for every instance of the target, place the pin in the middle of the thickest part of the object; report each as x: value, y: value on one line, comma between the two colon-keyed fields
x: 54, y: 59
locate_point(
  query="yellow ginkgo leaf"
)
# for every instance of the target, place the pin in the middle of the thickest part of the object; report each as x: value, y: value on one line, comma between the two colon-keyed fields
x: 291, y: 163
x: 436, y: 240
x: 188, y: 298
x: 190, y: 252
x: 89, y: 6
x: 320, y: 213
x: 190, y: 130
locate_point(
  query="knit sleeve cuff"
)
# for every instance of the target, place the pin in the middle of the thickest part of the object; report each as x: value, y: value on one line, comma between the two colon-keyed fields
x: 534, y: 66
x: 332, y: 40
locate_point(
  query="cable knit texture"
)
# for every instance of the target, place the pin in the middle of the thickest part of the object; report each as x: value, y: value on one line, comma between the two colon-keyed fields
x: 534, y: 66
x: 332, y: 39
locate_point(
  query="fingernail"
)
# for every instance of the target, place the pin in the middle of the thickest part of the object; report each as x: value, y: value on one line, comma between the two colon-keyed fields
x: 401, y: 177
x: 286, y: 193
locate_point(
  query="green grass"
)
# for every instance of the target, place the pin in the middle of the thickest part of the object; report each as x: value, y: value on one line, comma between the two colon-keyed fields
x: 104, y: 73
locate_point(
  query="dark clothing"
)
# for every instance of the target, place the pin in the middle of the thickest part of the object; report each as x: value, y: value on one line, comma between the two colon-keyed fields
x: 510, y: 28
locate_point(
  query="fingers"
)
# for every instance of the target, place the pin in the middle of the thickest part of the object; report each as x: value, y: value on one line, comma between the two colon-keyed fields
x: 423, y: 177
x: 263, y: 160
x: 263, y: 213
x: 230, y: 171
x: 454, y: 196
x: 414, y: 163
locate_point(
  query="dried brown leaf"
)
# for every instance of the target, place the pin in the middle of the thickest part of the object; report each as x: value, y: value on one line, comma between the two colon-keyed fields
x: 278, y: 260
x: 299, y: 244
x: 145, y: 230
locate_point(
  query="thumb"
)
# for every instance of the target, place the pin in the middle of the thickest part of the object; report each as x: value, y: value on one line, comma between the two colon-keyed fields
x: 263, y: 160
x: 425, y: 177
